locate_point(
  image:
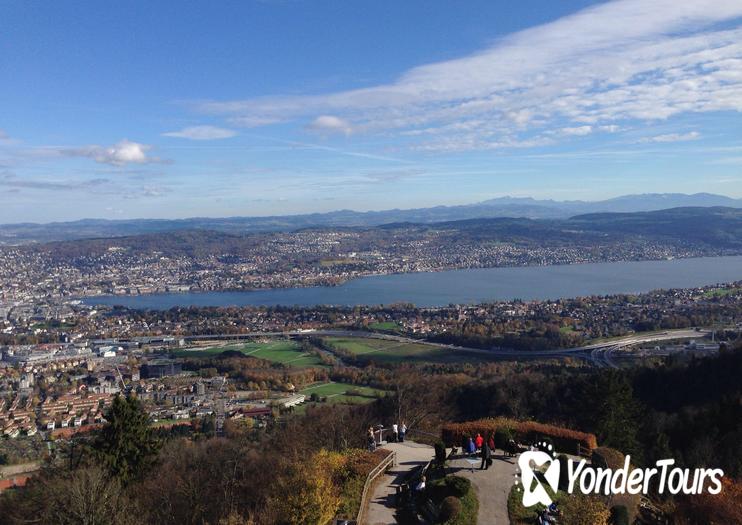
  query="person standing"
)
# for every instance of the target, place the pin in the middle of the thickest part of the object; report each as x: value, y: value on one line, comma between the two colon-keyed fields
x: 471, y: 448
x: 371, y: 439
x: 402, y: 432
x: 479, y: 441
x: 486, y: 456
x: 395, y: 433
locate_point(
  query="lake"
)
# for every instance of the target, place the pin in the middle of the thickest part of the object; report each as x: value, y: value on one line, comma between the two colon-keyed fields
x: 467, y: 286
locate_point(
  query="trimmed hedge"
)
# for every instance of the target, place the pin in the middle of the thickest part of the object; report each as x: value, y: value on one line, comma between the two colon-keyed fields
x: 564, y: 439
x: 458, y: 486
x: 606, y: 457
x: 450, y: 509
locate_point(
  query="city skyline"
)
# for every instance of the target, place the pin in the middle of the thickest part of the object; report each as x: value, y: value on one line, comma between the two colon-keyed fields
x: 289, y: 107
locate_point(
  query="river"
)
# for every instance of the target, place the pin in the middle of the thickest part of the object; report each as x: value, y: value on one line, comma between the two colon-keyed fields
x: 467, y: 286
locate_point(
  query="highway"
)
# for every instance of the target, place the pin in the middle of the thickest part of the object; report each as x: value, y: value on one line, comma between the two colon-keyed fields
x: 599, y: 354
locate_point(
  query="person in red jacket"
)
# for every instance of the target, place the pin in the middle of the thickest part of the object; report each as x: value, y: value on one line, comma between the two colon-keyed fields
x: 479, y: 441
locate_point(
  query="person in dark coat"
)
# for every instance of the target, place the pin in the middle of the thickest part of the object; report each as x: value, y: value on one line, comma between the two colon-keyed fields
x: 486, y: 456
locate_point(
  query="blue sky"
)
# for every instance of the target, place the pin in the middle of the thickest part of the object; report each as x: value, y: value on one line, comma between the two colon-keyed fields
x: 180, y: 109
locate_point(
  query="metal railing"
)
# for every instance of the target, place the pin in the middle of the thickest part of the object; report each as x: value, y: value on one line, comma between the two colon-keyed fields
x: 380, y: 468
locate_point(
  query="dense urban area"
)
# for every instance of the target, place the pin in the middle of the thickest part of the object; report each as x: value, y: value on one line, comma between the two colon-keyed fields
x: 197, y: 260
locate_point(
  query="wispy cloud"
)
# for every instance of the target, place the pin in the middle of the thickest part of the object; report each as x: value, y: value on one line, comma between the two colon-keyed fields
x: 617, y: 62
x: 671, y: 137
x: 334, y: 150
x: 11, y: 181
x: 6, y: 139
x: 729, y: 161
x: 98, y: 186
x: 202, y: 133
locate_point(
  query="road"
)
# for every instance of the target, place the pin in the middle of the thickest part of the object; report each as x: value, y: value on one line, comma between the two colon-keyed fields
x: 599, y: 354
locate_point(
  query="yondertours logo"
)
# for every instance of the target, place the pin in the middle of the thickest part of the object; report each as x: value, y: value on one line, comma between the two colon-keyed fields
x: 533, y: 462
x: 539, y: 469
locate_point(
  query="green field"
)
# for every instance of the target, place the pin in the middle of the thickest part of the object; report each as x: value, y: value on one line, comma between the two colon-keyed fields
x: 284, y: 352
x: 337, y: 393
x: 383, y: 351
x: 720, y: 292
x: 387, y: 325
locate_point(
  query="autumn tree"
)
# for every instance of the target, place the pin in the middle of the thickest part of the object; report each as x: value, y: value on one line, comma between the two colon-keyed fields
x: 306, y: 494
x: 86, y: 496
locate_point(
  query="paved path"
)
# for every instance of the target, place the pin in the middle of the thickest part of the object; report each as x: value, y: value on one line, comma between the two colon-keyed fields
x: 381, y: 509
x: 492, y: 486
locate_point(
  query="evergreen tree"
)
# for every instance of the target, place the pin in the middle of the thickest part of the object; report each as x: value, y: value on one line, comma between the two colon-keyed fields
x: 126, y: 445
x: 617, y: 414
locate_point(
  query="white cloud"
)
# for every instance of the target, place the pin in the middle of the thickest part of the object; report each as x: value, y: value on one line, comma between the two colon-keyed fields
x: 616, y: 62
x: 672, y: 137
x: 329, y: 124
x: 577, y: 131
x: 202, y: 133
x: 119, y: 154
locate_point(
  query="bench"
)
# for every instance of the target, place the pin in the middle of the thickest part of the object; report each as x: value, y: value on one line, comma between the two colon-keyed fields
x: 406, y: 487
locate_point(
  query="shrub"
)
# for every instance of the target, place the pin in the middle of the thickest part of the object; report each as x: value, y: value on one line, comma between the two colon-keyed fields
x: 725, y: 507
x: 619, y: 515
x: 440, y: 452
x: 458, y: 486
x: 450, y: 508
x: 469, y: 510
x: 579, y: 509
x: 503, y: 436
x: 605, y: 457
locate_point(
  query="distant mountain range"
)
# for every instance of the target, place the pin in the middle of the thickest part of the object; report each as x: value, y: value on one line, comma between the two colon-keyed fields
x: 712, y: 230
x: 515, y: 207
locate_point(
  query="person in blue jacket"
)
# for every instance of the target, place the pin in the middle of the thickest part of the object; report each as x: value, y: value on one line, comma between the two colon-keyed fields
x: 471, y: 448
